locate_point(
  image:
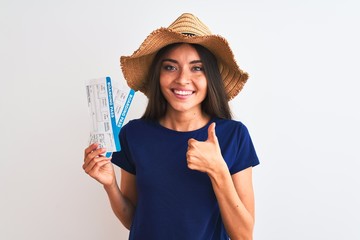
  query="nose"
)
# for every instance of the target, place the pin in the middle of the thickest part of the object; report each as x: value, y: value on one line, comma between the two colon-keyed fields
x: 184, y: 77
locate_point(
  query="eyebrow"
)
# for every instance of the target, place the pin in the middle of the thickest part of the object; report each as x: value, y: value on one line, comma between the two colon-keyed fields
x: 174, y: 61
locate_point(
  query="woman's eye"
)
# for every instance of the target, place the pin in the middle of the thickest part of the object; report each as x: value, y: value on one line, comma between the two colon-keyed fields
x: 169, y: 68
x: 198, y: 68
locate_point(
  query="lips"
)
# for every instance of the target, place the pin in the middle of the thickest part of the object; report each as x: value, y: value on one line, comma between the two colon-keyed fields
x: 183, y: 92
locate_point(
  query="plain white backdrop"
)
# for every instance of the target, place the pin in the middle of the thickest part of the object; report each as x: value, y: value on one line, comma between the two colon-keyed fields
x: 301, y: 105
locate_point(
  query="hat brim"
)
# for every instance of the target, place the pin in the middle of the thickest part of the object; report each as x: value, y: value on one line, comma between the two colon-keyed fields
x: 136, y: 67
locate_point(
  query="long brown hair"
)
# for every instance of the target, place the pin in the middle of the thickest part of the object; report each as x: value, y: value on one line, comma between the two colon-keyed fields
x: 215, y: 104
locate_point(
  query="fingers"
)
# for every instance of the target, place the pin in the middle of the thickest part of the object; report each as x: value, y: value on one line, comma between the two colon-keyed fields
x: 191, y: 143
x: 191, y: 152
x: 95, y: 164
x: 193, y: 162
x: 92, y: 155
x: 211, y: 133
x: 90, y: 148
x: 93, y: 151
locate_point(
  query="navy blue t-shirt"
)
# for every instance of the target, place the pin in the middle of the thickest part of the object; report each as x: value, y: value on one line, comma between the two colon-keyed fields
x: 175, y: 202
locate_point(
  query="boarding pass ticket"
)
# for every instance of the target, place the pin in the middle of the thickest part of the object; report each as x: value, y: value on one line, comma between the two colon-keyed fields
x: 108, y: 102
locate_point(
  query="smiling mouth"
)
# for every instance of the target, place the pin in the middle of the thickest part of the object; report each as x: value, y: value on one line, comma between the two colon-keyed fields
x: 183, y: 92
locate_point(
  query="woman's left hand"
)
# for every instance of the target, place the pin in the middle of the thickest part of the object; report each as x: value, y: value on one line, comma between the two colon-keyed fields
x: 205, y: 156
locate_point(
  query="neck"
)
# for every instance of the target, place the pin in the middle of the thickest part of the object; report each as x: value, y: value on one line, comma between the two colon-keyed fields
x: 184, y: 122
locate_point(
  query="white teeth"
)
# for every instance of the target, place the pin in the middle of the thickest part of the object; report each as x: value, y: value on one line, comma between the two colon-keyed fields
x: 183, y: 93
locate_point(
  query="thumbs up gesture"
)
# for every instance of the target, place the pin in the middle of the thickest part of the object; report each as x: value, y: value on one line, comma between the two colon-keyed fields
x: 205, y: 156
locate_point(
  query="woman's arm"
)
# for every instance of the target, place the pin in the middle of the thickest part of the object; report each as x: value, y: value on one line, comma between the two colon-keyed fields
x: 123, y: 202
x: 235, y: 196
x: 234, y: 193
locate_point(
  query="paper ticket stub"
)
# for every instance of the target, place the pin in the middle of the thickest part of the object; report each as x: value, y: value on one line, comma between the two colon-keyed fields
x: 108, y: 102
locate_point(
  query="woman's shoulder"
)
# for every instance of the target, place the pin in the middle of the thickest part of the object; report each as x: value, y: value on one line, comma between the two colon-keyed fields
x: 231, y: 127
x: 138, y: 124
x: 229, y: 123
x: 134, y: 123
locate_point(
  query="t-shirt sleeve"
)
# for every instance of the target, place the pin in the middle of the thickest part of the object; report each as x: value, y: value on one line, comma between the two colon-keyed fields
x: 123, y: 157
x: 246, y: 155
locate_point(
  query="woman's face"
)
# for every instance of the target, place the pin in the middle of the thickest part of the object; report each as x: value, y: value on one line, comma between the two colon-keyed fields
x: 182, y: 79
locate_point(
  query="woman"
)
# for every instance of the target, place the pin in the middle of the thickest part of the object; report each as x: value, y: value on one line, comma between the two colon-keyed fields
x: 186, y: 167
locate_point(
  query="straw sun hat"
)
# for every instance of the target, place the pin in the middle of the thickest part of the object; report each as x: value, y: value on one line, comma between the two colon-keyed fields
x: 187, y: 29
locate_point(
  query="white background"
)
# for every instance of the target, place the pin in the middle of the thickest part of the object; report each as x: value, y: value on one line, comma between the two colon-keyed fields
x: 301, y: 106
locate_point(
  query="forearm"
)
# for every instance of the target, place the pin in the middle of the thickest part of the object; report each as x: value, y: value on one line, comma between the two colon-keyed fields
x: 121, y: 206
x: 238, y: 220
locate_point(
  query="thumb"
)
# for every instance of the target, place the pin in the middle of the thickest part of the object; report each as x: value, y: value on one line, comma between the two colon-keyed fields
x: 211, y: 133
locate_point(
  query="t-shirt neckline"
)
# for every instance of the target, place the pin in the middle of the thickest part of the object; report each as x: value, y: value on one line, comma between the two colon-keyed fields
x: 205, y: 127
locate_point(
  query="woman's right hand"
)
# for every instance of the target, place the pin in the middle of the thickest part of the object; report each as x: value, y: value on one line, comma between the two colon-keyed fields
x: 98, y: 166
